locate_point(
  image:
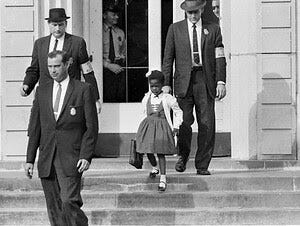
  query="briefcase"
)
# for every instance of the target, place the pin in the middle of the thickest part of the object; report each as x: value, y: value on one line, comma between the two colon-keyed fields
x: 135, y: 158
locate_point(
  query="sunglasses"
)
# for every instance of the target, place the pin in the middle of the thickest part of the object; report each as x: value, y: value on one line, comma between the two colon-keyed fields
x: 216, y: 7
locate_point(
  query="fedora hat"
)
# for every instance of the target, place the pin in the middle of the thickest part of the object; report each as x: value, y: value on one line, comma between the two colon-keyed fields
x: 192, y: 5
x: 57, y: 15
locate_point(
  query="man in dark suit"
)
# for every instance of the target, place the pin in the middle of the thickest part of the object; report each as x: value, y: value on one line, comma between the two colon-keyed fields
x: 64, y: 126
x: 199, y: 78
x: 59, y: 40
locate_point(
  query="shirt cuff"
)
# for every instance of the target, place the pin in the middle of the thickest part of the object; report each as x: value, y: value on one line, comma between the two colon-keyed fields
x: 105, y: 64
x: 221, y: 83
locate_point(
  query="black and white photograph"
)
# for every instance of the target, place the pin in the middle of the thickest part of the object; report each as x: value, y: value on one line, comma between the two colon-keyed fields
x: 149, y: 112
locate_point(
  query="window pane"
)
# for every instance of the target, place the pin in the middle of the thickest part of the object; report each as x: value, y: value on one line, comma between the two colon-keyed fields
x: 137, y: 84
x: 131, y: 52
x: 114, y: 52
x: 137, y: 49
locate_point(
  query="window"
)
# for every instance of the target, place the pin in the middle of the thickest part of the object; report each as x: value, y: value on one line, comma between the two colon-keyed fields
x: 130, y: 38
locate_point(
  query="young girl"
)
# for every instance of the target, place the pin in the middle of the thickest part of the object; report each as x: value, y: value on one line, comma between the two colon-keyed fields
x: 156, y: 132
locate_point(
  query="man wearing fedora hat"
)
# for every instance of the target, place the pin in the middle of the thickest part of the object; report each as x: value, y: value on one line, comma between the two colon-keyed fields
x: 200, y: 75
x: 58, y: 39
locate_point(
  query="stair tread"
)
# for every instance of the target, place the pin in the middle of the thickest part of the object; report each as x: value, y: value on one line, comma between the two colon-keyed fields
x: 5, y: 174
x: 147, y: 192
x: 158, y: 209
x: 217, y: 163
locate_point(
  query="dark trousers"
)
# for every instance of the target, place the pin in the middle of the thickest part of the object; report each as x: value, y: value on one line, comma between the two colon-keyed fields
x: 197, y: 96
x: 63, y: 198
x: 114, y: 86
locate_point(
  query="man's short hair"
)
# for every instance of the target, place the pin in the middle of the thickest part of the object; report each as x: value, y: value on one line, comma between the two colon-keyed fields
x: 63, y: 54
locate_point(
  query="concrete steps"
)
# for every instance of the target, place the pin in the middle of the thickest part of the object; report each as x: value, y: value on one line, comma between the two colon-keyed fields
x: 117, y: 194
x: 132, y: 180
x: 169, y: 199
x: 216, y: 164
x: 162, y: 216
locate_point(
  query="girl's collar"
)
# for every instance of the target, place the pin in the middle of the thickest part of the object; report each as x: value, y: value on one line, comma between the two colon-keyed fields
x: 154, y: 95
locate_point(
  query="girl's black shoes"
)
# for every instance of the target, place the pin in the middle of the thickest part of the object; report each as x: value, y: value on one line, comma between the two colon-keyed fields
x: 153, y: 173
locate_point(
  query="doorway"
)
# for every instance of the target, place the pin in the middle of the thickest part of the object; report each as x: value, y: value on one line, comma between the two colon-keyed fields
x: 119, y: 121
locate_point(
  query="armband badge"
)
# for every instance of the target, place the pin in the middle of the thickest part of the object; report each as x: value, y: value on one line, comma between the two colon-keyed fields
x: 86, y: 67
x: 220, y: 52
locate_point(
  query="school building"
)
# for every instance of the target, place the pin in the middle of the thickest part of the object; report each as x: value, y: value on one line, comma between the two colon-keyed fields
x: 257, y: 119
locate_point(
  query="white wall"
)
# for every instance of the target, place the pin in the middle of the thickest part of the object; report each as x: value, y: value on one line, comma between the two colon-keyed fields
x: 243, y: 78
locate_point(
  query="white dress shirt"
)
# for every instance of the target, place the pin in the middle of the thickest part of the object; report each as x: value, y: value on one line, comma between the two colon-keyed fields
x: 199, y: 33
x: 64, y: 86
x: 60, y: 43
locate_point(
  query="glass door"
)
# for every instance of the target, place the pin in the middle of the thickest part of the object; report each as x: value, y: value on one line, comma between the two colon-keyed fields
x: 131, y: 20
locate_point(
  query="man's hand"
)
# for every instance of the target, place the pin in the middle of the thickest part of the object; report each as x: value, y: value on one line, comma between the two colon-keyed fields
x: 98, y: 106
x: 166, y: 89
x: 29, y: 170
x: 115, y: 68
x: 82, y: 165
x: 24, y: 90
x: 221, y: 91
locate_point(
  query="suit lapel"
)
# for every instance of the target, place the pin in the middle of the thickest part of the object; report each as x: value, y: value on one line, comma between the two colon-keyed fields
x: 45, y: 50
x: 67, y: 42
x: 45, y: 46
x: 186, y: 38
x: 203, y: 35
x: 67, y: 96
x: 48, y: 90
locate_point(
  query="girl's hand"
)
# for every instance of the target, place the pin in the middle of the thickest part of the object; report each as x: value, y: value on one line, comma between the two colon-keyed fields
x: 175, y: 132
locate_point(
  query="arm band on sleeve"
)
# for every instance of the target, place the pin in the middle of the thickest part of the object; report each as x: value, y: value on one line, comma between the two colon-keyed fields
x: 220, y: 52
x: 86, y: 67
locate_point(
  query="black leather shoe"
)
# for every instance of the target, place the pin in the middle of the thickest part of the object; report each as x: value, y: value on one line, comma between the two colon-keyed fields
x: 203, y: 172
x: 180, y: 165
x: 153, y: 174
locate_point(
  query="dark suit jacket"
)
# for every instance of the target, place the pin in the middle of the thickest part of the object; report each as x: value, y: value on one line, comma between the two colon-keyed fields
x: 72, y: 136
x: 178, y: 48
x: 74, y: 46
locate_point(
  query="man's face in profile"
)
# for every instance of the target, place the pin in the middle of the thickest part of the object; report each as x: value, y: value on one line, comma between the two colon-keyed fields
x: 111, y: 18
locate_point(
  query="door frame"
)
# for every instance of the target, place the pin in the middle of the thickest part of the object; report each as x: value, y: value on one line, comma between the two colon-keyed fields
x: 120, y: 117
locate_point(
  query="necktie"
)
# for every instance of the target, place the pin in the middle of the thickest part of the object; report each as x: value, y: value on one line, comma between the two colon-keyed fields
x: 56, y: 103
x: 157, y: 95
x: 111, y: 55
x: 55, y: 45
x: 195, y: 46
